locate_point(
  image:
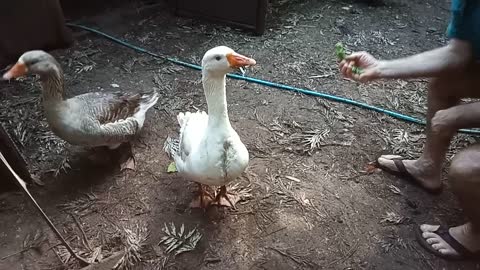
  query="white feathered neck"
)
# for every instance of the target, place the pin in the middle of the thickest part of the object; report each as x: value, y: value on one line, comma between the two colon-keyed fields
x: 215, y: 93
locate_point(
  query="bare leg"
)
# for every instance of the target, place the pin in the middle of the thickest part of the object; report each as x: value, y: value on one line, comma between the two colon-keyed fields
x: 465, y: 179
x: 427, y: 168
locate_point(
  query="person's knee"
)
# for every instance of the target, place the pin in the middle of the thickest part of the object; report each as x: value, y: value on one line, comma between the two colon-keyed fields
x: 465, y: 168
x: 440, y: 123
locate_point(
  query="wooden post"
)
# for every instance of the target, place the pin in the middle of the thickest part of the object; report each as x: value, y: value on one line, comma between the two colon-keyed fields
x: 249, y: 14
x: 16, y: 160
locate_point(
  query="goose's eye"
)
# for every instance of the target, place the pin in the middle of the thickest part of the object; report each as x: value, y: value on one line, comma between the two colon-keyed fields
x: 218, y: 57
x: 33, y: 61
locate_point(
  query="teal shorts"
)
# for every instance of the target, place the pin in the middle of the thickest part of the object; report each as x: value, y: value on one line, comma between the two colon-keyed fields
x: 465, y: 23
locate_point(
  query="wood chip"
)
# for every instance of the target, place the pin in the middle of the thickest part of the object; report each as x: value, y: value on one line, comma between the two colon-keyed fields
x: 292, y: 178
x: 395, y: 190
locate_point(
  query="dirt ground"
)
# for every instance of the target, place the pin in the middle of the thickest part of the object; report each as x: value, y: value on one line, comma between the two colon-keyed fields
x: 310, y: 200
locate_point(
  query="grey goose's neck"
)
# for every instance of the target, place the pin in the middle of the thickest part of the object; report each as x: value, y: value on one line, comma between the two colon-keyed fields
x: 53, y: 84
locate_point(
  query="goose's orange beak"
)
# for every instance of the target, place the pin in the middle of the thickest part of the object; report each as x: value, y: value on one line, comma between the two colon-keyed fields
x: 18, y: 70
x: 237, y: 60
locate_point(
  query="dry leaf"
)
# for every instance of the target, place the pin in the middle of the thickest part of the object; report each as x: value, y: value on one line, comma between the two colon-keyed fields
x: 172, y: 167
x: 371, y: 168
x: 393, y: 218
x: 128, y: 165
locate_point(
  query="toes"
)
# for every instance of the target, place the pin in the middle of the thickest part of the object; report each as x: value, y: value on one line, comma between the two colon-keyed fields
x: 435, y: 241
x: 443, y: 251
x: 390, y: 157
x: 386, y: 162
x: 446, y: 251
x: 429, y: 228
x: 427, y: 235
x: 438, y: 246
x: 432, y: 241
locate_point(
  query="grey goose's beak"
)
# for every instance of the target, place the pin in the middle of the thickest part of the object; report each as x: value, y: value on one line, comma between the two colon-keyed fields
x: 18, y: 70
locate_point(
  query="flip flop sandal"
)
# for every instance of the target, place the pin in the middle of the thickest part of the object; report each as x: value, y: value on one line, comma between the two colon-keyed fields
x: 404, y: 174
x: 443, y: 232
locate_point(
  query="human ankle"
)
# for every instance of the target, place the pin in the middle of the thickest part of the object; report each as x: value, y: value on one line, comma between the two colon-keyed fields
x: 472, y: 229
x: 427, y: 169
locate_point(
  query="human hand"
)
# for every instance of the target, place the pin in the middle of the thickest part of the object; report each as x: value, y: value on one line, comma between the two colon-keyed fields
x: 363, y: 60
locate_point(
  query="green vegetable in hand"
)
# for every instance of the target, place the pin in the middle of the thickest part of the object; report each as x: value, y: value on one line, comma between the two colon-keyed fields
x: 340, y: 51
x: 356, y: 70
x: 341, y: 54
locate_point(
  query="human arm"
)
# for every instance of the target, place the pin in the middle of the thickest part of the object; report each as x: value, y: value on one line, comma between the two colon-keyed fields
x: 451, y: 58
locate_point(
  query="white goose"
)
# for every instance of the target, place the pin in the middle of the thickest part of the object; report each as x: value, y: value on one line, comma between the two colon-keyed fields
x: 210, y: 152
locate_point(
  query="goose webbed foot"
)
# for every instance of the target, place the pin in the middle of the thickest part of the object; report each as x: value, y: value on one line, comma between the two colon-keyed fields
x: 99, y: 156
x: 224, y: 198
x: 126, y: 156
x: 203, y: 199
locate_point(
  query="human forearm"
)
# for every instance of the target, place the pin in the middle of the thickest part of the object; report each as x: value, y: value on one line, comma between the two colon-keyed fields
x: 451, y: 58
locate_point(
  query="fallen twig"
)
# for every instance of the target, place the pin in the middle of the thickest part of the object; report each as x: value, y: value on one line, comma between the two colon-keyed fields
x: 275, y: 231
x: 322, y: 76
x: 348, y: 255
x: 84, y: 235
x: 15, y: 253
x: 294, y: 257
x: 23, y: 186
x: 29, y: 243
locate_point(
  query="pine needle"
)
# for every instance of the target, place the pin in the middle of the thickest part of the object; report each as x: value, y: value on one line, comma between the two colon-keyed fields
x: 134, y: 241
x: 177, y: 241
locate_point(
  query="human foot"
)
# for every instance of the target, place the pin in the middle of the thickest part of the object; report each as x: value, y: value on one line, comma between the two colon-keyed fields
x: 459, y: 242
x: 409, y: 170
